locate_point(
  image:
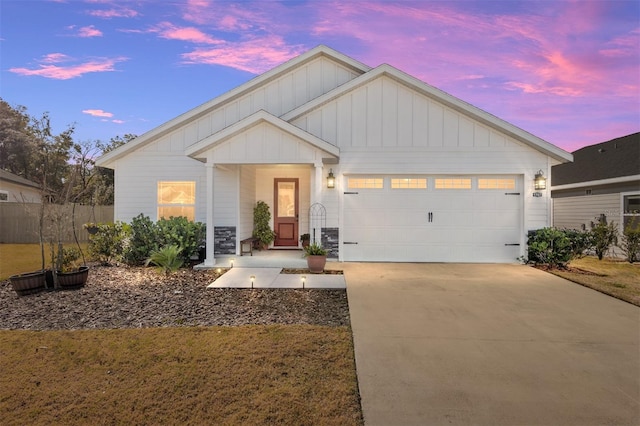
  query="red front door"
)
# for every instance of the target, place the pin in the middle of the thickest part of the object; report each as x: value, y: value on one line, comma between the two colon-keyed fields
x: 285, y: 196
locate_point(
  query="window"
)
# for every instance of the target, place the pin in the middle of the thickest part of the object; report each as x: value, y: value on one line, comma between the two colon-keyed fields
x: 631, y: 212
x: 453, y: 183
x: 365, y: 183
x: 4, y: 196
x: 496, y: 183
x: 408, y: 183
x: 177, y: 198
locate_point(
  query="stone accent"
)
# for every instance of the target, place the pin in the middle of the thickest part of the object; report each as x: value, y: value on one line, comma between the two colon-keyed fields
x: 330, y: 241
x: 225, y: 240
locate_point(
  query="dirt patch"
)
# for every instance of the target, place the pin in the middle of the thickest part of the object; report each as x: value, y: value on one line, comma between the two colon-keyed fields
x: 134, y: 297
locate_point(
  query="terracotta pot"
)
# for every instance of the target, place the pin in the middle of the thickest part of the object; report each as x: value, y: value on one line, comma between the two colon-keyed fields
x: 316, y: 263
x: 73, y: 280
x: 29, y: 283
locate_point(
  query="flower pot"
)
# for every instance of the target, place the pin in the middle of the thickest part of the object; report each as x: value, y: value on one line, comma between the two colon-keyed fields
x: 73, y: 280
x: 316, y: 263
x: 29, y: 283
x: 92, y: 230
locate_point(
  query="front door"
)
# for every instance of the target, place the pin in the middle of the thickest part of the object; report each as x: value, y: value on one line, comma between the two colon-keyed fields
x: 285, y: 195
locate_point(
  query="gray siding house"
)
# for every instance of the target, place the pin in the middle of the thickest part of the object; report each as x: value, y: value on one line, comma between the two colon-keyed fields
x: 602, y: 181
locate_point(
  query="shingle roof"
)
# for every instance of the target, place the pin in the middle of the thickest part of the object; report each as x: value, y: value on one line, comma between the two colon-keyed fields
x: 10, y: 177
x: 612, y: 159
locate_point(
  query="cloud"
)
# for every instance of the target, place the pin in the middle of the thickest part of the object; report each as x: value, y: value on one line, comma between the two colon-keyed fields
x: 97, y: 113
x: 56, y: 72
x: 114, y: 13
x: 190, y: 34
x: 89, y: 31
x: 118, y: 121
x: 254, y: 56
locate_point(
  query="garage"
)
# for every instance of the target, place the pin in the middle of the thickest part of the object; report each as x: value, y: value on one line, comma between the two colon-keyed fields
x: 433, y: 218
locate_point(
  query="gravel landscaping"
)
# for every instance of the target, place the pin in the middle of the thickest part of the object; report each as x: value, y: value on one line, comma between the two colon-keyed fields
x: 133, y: 297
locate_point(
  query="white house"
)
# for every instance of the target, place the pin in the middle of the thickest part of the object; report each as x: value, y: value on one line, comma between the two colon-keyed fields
x: 420, y: 175
x: 14, y: 188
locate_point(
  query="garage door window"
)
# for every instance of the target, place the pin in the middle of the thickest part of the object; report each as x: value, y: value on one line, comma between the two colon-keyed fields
x: 408, y: 183
x: 453, y: 183
x: 364, y: 183
x: 177, y: 198
x: 496, y: 183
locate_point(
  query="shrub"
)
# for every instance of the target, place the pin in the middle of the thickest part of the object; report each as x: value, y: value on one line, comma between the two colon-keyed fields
x: 143, y: 240
x: 557, y: 247
x: 314, y: 249
x: 261, y: 229
x: 603, y: 236
x: 148, y: 237
x: 109, y: 243
x: 167, y: 259
x: 630, y: 242
x: 179, y: 231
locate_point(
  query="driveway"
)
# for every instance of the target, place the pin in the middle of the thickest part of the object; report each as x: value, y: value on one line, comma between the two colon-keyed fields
x: 440, y: 344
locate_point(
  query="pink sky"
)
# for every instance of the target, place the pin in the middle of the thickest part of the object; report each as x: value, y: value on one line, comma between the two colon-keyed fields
x: 567, y: 72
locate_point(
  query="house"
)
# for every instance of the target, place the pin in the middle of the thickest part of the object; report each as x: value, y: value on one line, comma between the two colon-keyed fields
x: 14, y: 188
x: 374, y: 163
x: 602, y: 182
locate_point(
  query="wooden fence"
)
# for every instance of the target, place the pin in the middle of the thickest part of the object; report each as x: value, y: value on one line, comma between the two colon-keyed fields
x: 19, y: 222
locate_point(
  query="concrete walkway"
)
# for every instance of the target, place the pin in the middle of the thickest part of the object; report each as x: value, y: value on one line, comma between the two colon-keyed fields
x: 442, y: 344
x: 272, y: 278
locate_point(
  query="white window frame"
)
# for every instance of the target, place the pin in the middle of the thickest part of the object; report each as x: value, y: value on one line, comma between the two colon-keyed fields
x: 373, y: 178
x: 418, y: 180
x: 623, y: 195
x: 184, y: 205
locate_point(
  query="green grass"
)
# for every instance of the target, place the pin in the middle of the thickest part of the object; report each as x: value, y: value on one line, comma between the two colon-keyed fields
x: 613, y: 277
x: 302, y: 375
x: 21, y: 258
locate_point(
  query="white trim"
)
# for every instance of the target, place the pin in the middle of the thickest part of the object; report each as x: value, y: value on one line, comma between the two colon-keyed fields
x: 610, y: 181
x: 199, y: 148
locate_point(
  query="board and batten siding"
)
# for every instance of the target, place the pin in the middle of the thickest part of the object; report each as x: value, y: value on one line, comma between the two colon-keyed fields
x: 281, y: 95
x: 574, y: 212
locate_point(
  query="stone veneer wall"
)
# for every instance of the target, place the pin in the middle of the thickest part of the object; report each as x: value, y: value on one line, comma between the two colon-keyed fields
x: 330, y: 241
x: 225, y: 240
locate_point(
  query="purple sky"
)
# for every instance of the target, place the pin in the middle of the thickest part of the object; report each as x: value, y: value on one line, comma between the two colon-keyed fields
x: 566, y: 71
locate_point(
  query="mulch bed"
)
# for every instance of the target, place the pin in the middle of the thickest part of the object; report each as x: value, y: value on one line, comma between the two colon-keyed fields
x: 133, y: 297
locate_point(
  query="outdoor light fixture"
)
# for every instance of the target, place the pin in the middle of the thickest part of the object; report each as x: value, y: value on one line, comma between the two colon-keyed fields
x: 253, y: 278
x: 539, y: 181
x: 232, y: 260
x: 331, y: 179
x: 304, y: 278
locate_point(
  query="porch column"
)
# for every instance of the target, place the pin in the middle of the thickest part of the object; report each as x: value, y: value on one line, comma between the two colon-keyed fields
x: 317, y: 193
x: 210, y: 259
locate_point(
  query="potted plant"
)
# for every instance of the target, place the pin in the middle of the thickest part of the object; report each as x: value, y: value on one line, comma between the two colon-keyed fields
x: 69, y: 275
x: 261, y: 229
x: 91, y: 228
x: 29, y: 283
x: 316, y: 258
x: 305, y: 239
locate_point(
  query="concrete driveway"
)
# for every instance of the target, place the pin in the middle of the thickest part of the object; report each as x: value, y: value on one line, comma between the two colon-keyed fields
x: 440, y: 344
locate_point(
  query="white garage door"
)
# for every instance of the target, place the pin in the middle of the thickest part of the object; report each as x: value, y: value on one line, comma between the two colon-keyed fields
x: 432, y: 218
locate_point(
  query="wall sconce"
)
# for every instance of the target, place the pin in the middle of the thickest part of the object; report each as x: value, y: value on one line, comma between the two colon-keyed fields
x: 539, y: 181
x: 331, y: 179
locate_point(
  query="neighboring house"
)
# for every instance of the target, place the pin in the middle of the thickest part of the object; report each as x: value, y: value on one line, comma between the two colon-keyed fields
x: 419, y: 174
x: 14, y: 188
x: 603, y: 181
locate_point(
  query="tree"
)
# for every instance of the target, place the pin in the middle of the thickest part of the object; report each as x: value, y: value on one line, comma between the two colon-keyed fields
x: 17, y: 145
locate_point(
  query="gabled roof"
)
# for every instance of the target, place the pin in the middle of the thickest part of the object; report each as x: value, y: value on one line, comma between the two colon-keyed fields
x: 439, y: 96
x: 239, y: 91
x: 197, y: 150
x: 13, y: 178
x: 617, y: 158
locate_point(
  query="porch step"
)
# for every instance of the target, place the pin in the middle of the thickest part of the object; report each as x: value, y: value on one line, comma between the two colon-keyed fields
x: 239, y: 277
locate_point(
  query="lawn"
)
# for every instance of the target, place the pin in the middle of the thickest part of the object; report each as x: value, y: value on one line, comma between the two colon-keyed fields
x: 21, y: 258
x: 302, y: 375
x: 613, y: 277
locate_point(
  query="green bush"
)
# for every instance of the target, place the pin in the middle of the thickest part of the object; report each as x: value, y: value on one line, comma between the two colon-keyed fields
x: 108, y: 245
x: 557, y: 247
x: 261, y: 218
x: 143, y: 240
x: 315, y: 249
x: 603, y: 236
x: 179, y: 231
x: 167, y: 259
x: 630, y: 242
x: 148, y: 237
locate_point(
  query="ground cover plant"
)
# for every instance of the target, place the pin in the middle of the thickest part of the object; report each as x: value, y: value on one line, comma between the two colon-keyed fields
x: 616, y: 278
x: 298, y: 374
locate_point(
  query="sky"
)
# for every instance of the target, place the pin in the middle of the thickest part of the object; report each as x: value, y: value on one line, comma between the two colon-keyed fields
x: 566, y: 71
